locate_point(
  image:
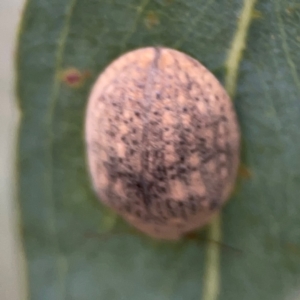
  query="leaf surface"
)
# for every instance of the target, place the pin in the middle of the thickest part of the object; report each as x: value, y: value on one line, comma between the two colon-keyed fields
x: 63, y: 46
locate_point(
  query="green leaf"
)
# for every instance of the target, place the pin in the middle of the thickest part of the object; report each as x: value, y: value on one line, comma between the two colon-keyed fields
x: 66, y: 41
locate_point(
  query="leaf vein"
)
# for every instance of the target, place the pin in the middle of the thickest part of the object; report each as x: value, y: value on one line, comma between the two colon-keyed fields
x: 211, y: 288
x: 286, y: 49
x: 61, y: 263
x: 237, y: 46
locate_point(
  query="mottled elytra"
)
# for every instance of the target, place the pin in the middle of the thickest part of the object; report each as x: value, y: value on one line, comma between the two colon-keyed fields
x: 162, y: 141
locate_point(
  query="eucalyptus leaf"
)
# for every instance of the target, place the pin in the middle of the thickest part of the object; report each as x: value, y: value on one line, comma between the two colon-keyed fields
x: 76, y: 248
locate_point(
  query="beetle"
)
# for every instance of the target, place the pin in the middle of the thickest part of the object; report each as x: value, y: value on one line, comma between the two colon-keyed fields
x: 162, y: 140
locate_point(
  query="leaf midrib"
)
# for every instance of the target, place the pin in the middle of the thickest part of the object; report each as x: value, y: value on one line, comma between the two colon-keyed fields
x: 211, y: 288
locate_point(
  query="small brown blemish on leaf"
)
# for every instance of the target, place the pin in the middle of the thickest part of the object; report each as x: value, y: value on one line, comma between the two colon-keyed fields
x: 244, y: 172
x: 236, y: 188
x: 292, y: 8
x: 151, y: 19
x: 73, y: 77
x: 168, y: 2
x: 293, y: 248
x: 256, y: 14
x: 193, y: 236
